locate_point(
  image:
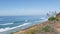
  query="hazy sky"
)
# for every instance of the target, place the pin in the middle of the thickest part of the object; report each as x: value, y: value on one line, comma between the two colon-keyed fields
x: 28, y: 7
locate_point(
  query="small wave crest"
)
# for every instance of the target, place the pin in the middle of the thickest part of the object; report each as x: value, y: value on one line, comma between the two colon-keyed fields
x: 8, y: 28
x: 7, y: 24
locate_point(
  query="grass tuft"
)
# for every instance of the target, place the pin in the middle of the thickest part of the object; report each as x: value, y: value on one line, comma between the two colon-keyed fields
x: 46, y: 28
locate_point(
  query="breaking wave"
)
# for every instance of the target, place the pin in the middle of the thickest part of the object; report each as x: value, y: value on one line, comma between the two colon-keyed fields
x: 8, y: 28
x: 7, y: 24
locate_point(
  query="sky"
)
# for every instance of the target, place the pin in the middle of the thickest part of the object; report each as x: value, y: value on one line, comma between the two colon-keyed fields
x: 28, y: 7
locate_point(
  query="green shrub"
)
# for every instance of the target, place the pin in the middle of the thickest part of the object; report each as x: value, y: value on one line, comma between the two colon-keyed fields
x: 47, y: 28
x: 52, y: 18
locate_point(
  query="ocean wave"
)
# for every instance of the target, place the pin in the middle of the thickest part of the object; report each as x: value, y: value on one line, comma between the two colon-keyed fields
x: 8, y: 28
x: 7, y: 24
x: 42, y: 18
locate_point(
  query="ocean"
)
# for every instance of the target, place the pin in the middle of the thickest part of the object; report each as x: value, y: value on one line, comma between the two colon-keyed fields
x: 10, y: 24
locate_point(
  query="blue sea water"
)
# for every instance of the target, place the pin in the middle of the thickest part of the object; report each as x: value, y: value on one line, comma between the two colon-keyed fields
x: 17, y: 21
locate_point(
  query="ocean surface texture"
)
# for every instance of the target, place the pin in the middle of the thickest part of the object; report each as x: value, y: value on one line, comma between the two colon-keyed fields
x: 14, y: 23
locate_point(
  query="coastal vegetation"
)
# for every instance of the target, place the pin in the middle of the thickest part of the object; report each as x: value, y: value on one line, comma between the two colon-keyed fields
x: 46, y: 28
x: 52, y: 18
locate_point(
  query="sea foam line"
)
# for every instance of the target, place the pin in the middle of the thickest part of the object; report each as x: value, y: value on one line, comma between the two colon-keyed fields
x: 8, y: 28
x: 7, y: 24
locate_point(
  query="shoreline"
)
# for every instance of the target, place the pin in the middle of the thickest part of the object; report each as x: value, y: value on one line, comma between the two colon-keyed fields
x: 31, y: 27
x: 22, y: 28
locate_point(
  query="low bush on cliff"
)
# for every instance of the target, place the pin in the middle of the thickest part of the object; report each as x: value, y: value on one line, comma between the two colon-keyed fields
x: 52, y: 18
x: 46, y: 28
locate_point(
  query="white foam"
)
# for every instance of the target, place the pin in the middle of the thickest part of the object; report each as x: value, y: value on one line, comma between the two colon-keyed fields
x: 43, y: 18
x: 7, y: 24
x: 8, y: 28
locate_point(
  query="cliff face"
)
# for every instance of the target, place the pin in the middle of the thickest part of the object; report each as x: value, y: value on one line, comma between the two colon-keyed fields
x: 58, y: 16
